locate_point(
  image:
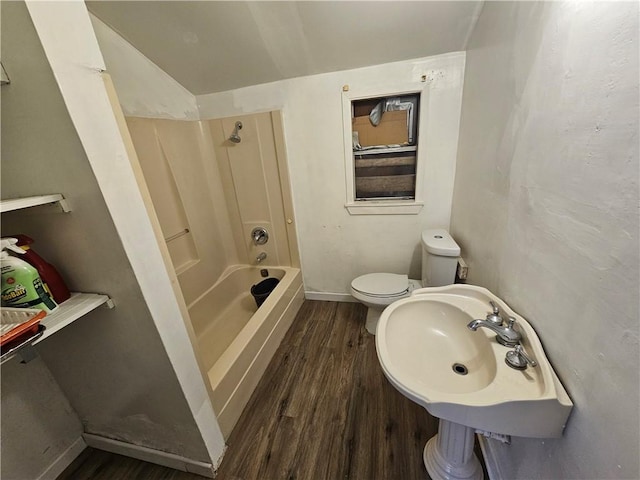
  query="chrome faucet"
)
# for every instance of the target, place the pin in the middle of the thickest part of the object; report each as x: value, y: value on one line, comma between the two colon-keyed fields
x: 506, y: 335
x: 262, y: 256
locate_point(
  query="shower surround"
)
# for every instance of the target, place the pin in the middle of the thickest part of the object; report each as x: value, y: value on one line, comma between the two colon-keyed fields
x: 211, y: 186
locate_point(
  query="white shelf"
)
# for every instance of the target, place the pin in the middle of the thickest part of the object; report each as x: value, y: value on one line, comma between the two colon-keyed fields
x: 68, y: 312
x: 12, y: 204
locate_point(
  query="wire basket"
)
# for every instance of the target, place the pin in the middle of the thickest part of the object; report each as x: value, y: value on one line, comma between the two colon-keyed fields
x: 16, y: 323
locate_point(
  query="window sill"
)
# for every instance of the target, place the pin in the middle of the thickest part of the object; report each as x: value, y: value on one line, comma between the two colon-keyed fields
x: 384, y: 208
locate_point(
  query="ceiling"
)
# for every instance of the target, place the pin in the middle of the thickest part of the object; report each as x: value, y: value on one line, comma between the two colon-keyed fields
x: 213, y: 46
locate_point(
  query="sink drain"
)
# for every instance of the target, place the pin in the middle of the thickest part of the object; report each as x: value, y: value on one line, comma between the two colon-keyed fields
x: 460, y: 369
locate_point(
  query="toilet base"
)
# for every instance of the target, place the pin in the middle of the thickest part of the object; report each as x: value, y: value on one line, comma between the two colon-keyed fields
x: 373, y: 316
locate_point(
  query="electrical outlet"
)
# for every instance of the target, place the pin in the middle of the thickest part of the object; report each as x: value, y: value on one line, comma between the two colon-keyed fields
x: 463, y: 269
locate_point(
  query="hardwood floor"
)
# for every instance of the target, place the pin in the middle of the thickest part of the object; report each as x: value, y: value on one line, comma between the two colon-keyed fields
x: 95, y: 464
x: 323, y: 410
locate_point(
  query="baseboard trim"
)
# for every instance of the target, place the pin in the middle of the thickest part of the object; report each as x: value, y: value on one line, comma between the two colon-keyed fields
x: 329, y: 297
x: 493, y: 469
x: 65, y: 459
x: 149, y: 455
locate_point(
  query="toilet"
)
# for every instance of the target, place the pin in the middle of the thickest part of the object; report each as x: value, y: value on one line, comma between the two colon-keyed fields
x: 379, y: 290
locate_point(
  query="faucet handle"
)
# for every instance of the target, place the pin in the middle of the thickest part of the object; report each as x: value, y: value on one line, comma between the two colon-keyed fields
x: 494, y: 317
x: 260, y: 235
x: 530, y: 361
x: 518, y: 359
x: 496, y: 309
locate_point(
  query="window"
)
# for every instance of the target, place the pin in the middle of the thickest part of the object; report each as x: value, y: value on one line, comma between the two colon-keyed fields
x: 381, y: 152
x: 385, y: 137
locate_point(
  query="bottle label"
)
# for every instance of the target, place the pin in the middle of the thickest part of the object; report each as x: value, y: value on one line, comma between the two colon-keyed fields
x: 44, y: 296
x: 15, y: 295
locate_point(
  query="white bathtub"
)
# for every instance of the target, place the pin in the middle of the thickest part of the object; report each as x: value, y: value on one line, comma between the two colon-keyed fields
x: 236, y: 340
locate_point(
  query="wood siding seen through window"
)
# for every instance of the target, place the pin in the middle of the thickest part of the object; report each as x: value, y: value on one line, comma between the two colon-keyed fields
x: 383, y: 177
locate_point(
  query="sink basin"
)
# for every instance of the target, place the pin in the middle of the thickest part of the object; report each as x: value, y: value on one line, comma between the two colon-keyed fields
x: 435, y: 351
x: 428, y: 353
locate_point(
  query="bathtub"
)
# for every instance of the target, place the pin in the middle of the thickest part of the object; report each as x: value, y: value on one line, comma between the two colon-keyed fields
x: 236, y: 340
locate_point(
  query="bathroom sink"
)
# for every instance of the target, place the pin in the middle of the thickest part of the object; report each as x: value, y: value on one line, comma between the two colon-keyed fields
x: 459, y: 375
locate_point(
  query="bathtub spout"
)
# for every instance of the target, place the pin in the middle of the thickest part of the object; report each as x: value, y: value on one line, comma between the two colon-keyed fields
x: 261, y: 257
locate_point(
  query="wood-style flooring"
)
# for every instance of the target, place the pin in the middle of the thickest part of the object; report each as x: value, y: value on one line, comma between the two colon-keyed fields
x: 323, y: 410
x: 94, y: 464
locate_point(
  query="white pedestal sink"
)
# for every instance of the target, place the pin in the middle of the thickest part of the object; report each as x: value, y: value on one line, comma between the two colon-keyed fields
x: 460, y: 376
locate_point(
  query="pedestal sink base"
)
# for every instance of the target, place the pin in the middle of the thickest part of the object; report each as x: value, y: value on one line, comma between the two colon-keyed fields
x: 449, y: 455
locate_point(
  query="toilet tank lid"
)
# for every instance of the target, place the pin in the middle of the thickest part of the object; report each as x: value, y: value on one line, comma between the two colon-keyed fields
x: 381, y: 283
x: 439, y: 242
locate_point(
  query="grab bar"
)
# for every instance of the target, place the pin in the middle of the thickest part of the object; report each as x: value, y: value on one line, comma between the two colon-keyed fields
x: 177, y: 235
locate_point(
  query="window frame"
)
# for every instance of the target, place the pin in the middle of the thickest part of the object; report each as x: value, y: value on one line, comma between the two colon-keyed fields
x: 387, y: 206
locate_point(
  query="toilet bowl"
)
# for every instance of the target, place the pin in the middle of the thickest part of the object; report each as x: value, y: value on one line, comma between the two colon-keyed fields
x: 379, y: 290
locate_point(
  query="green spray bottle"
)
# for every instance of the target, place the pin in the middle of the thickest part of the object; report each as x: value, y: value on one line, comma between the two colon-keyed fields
x: 22, y: 287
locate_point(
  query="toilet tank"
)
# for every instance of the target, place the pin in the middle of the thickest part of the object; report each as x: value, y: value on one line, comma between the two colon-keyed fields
x: 440, y: 255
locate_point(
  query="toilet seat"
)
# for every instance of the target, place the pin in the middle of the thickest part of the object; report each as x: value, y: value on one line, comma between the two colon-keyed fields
x: 381, y: 285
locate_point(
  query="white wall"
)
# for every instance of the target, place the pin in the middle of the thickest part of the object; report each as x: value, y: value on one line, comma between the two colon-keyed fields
x: 546, y: 211
x: 38, y: 423
x: 335, y: 246
x: 112, y: 365
x: 144, y: 89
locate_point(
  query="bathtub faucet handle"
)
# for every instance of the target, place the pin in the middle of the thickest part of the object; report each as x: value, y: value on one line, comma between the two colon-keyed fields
x: 259, y: 235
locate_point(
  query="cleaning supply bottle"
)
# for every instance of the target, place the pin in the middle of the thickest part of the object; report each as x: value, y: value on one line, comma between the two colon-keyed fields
x: 22, y: 287
x: 48, y: 273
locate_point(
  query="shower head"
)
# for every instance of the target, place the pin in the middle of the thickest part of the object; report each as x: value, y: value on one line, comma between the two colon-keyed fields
x: 235, y: 137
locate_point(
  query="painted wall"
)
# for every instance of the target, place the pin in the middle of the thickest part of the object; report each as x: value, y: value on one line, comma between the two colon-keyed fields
x: 38, y: 423
x: 111, y: 364
x: 335, y: 246
x: 143, y: 88
x: 546, y: 212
